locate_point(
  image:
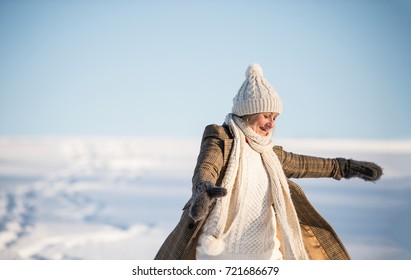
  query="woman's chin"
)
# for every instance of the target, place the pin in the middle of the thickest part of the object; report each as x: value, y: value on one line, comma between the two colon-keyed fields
x: 263, y: 132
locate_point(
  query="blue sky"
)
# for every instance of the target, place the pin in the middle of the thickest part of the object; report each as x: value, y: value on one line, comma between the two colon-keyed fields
x: 168, y: 68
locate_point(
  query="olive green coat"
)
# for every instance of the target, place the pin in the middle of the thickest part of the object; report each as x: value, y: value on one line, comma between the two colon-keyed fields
x: 320, y: 240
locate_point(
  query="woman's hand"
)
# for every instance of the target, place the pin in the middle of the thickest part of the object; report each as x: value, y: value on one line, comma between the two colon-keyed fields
x: 365, y: 170
x: 203, y: 196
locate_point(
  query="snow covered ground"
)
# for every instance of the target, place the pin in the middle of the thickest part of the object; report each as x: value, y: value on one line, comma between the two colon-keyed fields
x: 89, y: 198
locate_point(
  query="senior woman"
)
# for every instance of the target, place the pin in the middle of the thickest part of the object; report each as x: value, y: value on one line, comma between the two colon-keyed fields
x: 243, y: 204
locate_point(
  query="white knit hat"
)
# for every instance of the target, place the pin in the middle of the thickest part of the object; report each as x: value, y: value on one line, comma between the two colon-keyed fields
x: 256, y: 95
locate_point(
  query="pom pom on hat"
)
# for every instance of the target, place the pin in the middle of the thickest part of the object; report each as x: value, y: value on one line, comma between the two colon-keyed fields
x: 254, y: 70
x: 256, y: 95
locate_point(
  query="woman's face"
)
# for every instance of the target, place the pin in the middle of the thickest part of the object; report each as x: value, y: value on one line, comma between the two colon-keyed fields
x: 263, y: 123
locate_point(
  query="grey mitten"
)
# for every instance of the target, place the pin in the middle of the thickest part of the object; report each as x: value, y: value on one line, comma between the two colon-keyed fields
x: 365, y: 170
x: 203, y: 196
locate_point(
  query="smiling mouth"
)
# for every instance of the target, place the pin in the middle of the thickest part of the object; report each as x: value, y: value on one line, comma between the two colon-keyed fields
x: 265, y: 130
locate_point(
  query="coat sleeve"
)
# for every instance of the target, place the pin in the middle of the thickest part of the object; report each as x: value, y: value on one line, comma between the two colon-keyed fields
x: 303, y: 166
x: 210, y: 160
x: 181, y: 242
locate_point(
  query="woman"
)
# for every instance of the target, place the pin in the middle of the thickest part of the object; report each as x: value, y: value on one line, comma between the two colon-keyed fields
x: 243, y: 205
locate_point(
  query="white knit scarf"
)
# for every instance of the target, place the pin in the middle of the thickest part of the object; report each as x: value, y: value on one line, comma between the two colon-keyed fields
x: 221, y: 218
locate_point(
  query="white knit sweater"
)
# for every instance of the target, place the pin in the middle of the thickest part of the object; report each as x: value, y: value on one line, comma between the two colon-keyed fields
x: 253, y: 232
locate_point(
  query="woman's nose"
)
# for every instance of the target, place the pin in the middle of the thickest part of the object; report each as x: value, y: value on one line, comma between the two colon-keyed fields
x: 270, y: 124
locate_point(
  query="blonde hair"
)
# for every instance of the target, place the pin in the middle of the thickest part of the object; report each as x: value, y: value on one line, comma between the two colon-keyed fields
x: 250, y: 118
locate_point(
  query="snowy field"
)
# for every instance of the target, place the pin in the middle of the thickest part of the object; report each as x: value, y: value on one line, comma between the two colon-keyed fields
x: 87, y: 198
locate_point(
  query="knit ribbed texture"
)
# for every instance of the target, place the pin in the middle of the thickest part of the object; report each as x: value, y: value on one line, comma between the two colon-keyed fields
x: 256, y: 95
x: 225, y: 215
x: 253, y: 233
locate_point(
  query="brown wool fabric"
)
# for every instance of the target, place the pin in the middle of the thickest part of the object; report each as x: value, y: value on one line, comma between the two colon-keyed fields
x: 320, y: 239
